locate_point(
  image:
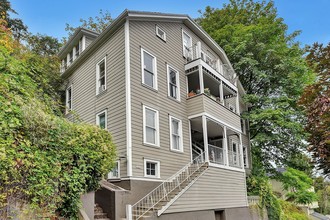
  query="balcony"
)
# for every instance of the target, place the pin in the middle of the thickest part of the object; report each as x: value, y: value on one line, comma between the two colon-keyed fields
x: 202, y: 103
x: 222, y: 145
x: 195, y: 57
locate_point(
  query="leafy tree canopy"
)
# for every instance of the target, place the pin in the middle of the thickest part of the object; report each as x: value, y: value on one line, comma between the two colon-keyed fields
x: 98, y: 24
x: 46, y: 162
x: 316, y: 101
x: 16, y: 25
x: 299, y: 186
x: 43, y: 45
x: 271, y: 67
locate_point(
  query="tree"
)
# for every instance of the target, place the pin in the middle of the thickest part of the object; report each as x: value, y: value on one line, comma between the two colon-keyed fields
x: 46, y: 162
x: 316, y: 101
x: 299, y: 186
x: 16, y: 25
x: 43, y: 45
x: 97, y: 24
x: 269, y: 64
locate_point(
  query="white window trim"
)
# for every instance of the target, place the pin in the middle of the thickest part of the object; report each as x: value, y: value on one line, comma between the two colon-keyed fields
x: 183, y: 48
x: 110, y: 174
x: 156, y: 124
x: 98, y: 75
x: 247, y: 158
x: 157, y: 168
x: 67, y: 109
x: 106, y: 119
x: 180, y: 134
x: 243, y: 126
x: 168, y: 83
x: 158, y: 35
x: 154, y: 69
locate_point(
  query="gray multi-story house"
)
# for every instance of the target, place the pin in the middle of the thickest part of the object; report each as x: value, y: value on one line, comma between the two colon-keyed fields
x: 169, y: 96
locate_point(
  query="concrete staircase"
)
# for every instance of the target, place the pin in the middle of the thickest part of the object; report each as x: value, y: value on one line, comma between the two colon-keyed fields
x: 99, y: 213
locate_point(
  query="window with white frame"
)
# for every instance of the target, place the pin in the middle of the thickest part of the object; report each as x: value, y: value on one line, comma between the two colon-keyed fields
x: 243, y: 125
x: 150, y: 126
x: 70, y: 57
x: 187, y: 46
x: 245, y: 158
x: 101, y: 119
x: 173, y: 83
x: 160, y: 33
x: 115, y: 172
x: 77, y: 50
x: 149, y: 69
x: 151, y: 168
x: 176, y: 134
x: 234, y: 157
x: 101, y: 76
x: 68, y: 99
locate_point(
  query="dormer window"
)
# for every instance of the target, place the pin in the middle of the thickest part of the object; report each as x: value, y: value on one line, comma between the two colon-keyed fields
x: 160, y: 33
x: 70, y: 57
x: 77, y: 50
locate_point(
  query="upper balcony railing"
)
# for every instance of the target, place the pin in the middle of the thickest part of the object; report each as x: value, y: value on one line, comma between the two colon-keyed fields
x: 195, y: 52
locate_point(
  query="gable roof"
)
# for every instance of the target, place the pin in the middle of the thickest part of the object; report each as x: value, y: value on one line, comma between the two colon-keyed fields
x: 143, y: 16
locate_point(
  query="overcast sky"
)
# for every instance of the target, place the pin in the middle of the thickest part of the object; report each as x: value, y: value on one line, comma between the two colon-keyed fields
x: 50, y: 17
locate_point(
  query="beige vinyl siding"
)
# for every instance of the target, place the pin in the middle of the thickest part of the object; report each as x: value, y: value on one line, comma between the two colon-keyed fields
x: 215, y: 188
x: 88, y: 41
x: 87, y: 104
x: 202, y: 103
x: 142, y: 35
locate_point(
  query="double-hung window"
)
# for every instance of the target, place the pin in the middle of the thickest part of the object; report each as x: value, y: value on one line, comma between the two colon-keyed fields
x: 173, y: 83
x: 68, y: 99
x: 101, y: 119
x: 187, y: 46
x: 115, y: 172
x: 176, y: 134
x: 149, y: 69
x: 150, y: 126
x: 151, y: 168
x: 101, y: 77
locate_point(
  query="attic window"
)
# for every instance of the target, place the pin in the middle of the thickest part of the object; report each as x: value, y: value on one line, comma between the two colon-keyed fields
x: 160, y: 33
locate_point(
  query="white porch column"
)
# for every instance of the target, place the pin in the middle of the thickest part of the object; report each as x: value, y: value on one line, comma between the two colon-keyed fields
x: 237, y: 103
x: 221, y: 93
x: 225, y: 146
x: 206, y: 144
x: 241, y: 150
x: 201, y: 81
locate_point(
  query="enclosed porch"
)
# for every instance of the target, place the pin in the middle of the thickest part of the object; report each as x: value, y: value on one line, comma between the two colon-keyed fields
x: 222, y: 145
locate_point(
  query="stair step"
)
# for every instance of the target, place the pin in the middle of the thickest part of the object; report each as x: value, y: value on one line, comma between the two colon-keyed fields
x: 100, y: 215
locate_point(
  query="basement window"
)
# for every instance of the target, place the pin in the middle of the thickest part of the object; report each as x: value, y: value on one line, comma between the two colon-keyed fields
x: 151, y: 168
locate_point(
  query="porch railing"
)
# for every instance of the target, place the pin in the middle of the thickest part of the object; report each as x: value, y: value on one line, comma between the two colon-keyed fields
x: 234, y: 159
x: 216, y: 154
x: 167, y: 190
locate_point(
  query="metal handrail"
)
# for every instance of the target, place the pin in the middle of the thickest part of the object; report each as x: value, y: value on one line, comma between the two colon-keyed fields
x: 161, y: 192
